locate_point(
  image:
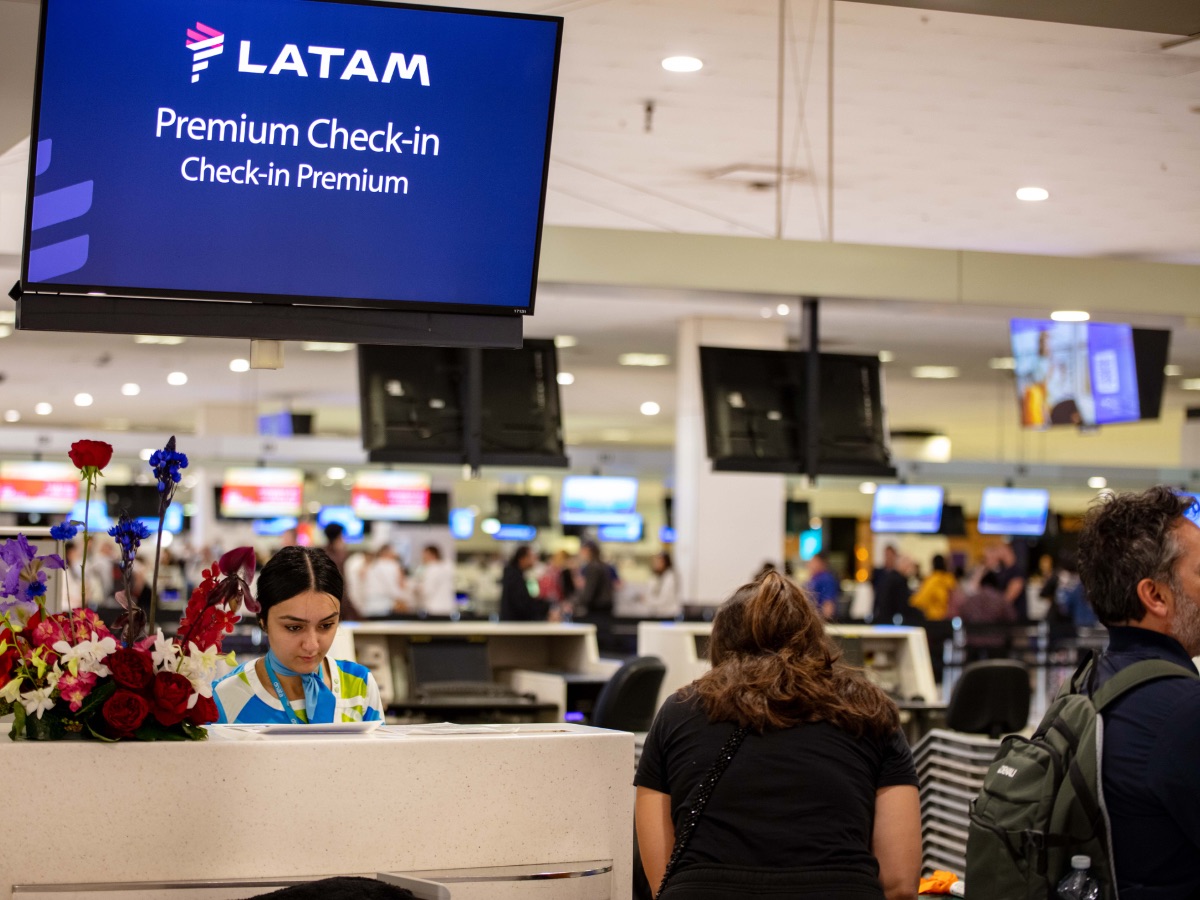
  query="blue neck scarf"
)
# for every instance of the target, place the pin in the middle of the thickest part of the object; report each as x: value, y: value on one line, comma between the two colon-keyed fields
x: 319, y: 700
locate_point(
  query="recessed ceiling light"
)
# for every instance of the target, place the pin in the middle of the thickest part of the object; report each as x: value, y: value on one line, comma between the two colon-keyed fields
x: 565, y: 378
x: 1032, y: 194
x: 682, y: 64
x: 814, y: 523
x: 539, y: 484
x: 1096, y: 482
x: 5, y: 331
x: 131, y: 389
x: 239, y: 365
x: 886, y: 356
x: 650, y: 408
x: 564, y: 341
x: 1002, y: 362
x: 337, y: 473
x: 1190, y: 384
x: 935, y: 372
x: 145, y: 454
x: 783, y: 309
x: 43, y: 409
x: 644, y: 359
x: 1173, y: 371
x: 165, y: 340
x: 325, y: 346
x: 12, y: 416
x: 177, y: 378
x: 867, y: 487
x: 83, y: 399
x: 1070, y: 315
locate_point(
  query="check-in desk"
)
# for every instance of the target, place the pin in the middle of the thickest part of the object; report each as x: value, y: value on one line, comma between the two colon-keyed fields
x: 543, y: 659
x: 209, y: 820
x: 894, y: 657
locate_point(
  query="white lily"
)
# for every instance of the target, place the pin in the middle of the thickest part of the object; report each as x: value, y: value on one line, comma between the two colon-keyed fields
x: 164, y: 652
x: 202, y: 668
x: 37, y: 701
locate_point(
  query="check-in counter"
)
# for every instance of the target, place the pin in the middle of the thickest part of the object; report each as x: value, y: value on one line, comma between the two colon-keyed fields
x: 895, y: 657
x: 538, y: 658
x: 211, y: 820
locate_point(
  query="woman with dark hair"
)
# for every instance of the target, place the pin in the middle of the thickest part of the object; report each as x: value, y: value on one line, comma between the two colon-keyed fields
x: 781, y: 771
x: 300, y: 594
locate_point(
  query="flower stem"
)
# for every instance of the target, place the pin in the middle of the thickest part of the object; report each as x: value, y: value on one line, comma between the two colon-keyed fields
x: 162, y: 518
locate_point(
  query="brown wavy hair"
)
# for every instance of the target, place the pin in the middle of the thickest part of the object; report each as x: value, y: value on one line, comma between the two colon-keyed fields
x: 773, y: 667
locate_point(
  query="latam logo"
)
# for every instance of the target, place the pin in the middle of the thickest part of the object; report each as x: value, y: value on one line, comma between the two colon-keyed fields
x: 205, y: 43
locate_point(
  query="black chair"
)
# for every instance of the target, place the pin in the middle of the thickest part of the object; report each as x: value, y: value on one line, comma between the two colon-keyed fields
x: 630, y: 699
x: 991, y: 697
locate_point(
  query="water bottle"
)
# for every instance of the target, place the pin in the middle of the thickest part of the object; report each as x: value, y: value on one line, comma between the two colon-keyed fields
x: 1079, y: 883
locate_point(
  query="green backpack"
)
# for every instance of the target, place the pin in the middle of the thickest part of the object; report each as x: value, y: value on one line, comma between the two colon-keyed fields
x: 1041, y: 801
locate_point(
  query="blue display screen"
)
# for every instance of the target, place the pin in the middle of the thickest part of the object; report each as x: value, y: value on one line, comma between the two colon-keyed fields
x: 597, y: 500
x: 338, y: 151
x: 97, y: 517
x: 907, y: 508
x: 666, y: 534
x: 275, y: 526
x: 275, y: 425
x: 812, y: 541
x: 522, y: 533
x: 627, y: 532
x: 462, y: 523
x: 1075, y: 373
x: 1014, y: 511
x: 345, y: 517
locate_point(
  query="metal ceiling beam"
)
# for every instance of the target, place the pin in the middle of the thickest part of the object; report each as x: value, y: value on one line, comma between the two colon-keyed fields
x: 1180, y: 17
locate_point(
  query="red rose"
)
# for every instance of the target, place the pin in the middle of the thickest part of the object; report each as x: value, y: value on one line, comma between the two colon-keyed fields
x: 90, y: 454
x: 203, y: 712
x: 171, y: 692
x: 124, y: 712
x: 131, y: 668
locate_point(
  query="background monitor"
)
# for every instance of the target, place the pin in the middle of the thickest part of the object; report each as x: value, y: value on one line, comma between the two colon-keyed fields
x: 462, y: 523
x: 354, y: 527
x: 138, y: 500
x: 390, y: 496
x: 522, y: 534
x: 523, y: 509
x: 1014, y: 511
x: 627, y: 532
x: 520, y: 414
x: 262, y: 493
x: 812, y: 542
x: 954, y: 521
x: 274, y: 527
x: 597, y: 500
x: 666, y: 534
x: 38, y: 487
x: 907, y: 509
x: 420, y: 129
x: 98, y: 520
x: 796, y: 516
x: 439, y: 508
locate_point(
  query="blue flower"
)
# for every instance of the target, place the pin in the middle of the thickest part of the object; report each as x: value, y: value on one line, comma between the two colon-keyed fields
x: 166, y: 464
x: 64, y: 531
x: 129, y: 534
x: 36, y: 589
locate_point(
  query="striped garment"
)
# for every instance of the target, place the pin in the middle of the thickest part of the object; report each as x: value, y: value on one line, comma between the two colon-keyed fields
x: 244, y: 699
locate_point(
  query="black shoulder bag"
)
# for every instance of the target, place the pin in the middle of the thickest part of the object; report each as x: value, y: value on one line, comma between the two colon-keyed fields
x: 703, y: 792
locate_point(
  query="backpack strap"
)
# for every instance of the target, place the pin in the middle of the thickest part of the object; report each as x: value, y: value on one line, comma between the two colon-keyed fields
x: 1138, y: 674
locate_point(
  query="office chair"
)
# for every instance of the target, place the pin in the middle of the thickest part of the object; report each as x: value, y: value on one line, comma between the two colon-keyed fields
x: 630, y: 699
x: 991, y: 697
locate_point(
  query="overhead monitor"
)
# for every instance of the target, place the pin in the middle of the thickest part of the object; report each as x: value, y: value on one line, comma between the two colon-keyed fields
x: 666, y: 534
x: 523, y: 509
x: 172, y: 520
x: 627, y: 532
x: 276, y: 526
x: 1087, y: 373
x: 462, y: 523
x: 954, y: 521
x: 1014, y: 511
x: 97, y: 517
x: 38, y: 487
x: 522, y: 534
x: 812, y: 542
x: 262, y: 493
x: 390, y: 496
x: 796, y: 516
x: 597, y: 500
x: 137, y: 500
x: 353, y: 527
x: 355, y: 154
x: 907, y: 509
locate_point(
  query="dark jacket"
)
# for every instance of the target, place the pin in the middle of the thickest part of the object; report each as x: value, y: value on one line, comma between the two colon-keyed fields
x: 516, y: 603
x: 596, y: 597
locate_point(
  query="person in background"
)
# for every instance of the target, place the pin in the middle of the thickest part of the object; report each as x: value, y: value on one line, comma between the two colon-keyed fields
x: 933, y: 596
x: 296, y: 683
x: 1010, y: 579
x: 355, y: 575
x: 595, y: 597
x: 386, y: 591
x: 1070, y: 597
x: 890, y: 588
x: 336, y: 550
x: 823, y: 586
x: 550, y: 581
x: 819, y: 800
x: 662, y: 597
x: 517, y: 604
x: 435, y: 584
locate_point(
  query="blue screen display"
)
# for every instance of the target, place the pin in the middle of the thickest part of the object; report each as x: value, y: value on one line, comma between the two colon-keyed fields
x: 349, y: 152
x: 666, y: 535
x: 1014, y: 511
x: 812, y: 541
x: 1075, y: 373
x: 275, y: 425
x: 907, y: 508
x: 597, y: 500
x: 627, y: 532
x: 271, y: 527
x: 522, y: 533
x: 345, y: 517
x: 97, y: 517
x: 462, y: 523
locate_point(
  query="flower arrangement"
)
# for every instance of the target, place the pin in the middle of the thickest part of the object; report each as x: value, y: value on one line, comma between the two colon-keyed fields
x: 66, y: 674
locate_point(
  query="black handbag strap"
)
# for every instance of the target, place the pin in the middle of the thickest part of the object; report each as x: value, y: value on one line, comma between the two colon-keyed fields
x: 703, y: 792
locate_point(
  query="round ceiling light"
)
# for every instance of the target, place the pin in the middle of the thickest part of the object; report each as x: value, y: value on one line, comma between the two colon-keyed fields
x: 1032, y: 194
x: 682, y: 64
x: 1070, y: 315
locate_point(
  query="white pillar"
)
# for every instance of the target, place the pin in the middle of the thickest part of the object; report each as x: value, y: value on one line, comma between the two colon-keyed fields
x: 727, y: 524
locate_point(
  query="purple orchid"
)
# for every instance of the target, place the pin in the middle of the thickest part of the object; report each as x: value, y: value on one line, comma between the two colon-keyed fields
x: 21, y: 569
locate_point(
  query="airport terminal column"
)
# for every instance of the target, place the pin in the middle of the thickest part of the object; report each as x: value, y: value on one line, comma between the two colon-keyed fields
x: 215, y: 420
x: 727, y: 524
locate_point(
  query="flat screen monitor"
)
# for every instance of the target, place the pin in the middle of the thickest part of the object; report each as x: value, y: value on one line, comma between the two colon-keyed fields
x: 756, y: 414
x: 522, y: 534
x: 439, y: 508
x: 954, y: 521
x: 276, y: 526
x: 172, y: 521
x: 520, y: 413
x: 431, y: 662
x: 666, y: 534
x: 1087, y: 373
x: 97, y: 517
x: 137, y: 500
x: 262, y: 493
x: 353, y: 527
x: 812, y: 542
x: 597, y: 500
x: 1014, y: 511
x: 907, y: 509
x: 523, y: 509
x: 462, y: 523
x: 38, y: 487
x: 796, y: 516
x: 285, y: 424
x: 418, y: 136
x: 627, y: 532
x: 390, y: 496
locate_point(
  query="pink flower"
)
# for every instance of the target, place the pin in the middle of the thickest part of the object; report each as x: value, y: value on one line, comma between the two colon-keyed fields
x: 75, y: 688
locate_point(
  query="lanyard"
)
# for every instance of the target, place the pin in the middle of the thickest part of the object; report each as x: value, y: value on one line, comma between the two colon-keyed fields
x: 287, y: 707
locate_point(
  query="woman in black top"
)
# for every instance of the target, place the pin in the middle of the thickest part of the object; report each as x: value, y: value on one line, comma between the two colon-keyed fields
x: 820, y: 799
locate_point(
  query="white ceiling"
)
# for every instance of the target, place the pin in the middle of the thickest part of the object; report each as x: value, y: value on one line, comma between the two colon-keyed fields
x: 937, y: 119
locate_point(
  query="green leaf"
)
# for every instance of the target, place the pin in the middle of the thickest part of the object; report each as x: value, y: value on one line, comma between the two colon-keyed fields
x: 95, y: 699
x: 18, y: 727
x: 152, y: 731
x: 101, y: 737
x: 195, y: 732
